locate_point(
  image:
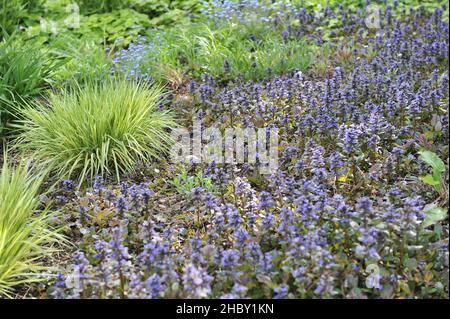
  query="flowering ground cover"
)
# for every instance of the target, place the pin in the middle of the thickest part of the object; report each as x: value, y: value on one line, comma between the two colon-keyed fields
x: 356, y: 206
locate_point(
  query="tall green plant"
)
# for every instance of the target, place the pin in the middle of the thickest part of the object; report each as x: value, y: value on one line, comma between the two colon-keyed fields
x: 97, y: 130
x: 25, y: 72
x: 26, y: 239
x: 12, y: 12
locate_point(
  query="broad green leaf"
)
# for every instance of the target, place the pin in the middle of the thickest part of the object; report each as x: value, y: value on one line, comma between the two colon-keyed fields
x: 430, y: 180
x: 433, y: 160
x: 434, y: 216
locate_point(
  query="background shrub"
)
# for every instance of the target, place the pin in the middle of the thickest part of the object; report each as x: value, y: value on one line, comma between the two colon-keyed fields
x: 102, y: 5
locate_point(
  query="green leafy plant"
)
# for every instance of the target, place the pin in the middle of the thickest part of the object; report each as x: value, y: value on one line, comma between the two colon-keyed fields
x: 197, y: 49
x: 167, y: 12
x: 118, y: 27
x: 185, y: 183
x: 87, y: 62
x: 438, y: 168
x: 27, y: 240
x: 12, y: 12
x: 159, y: 7
x: 97, y: 130
x: 433, y: 216
x: 97, y: 6
x: 25, y: 72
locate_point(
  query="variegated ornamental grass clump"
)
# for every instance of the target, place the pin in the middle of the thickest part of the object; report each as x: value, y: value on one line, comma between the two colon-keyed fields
x: 97, y: 130
x: 27, y: 240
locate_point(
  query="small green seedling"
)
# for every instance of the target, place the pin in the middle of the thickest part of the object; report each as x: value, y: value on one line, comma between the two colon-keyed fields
x: 185, y: 183
x: 438, y: 168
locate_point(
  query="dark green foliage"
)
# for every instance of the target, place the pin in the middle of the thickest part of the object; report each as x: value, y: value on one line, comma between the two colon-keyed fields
x: 25, y: 72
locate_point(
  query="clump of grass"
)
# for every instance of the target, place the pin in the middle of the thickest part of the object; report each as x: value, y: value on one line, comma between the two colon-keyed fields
x: 87, y: 62
x: 100, y: 129
x: 226, y: 53
x: 10, y: 13
x: 25, y: 72
x: 26, y: 239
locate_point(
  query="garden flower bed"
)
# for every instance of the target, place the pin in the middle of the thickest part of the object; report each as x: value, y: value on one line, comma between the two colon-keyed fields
x: 354, y: 96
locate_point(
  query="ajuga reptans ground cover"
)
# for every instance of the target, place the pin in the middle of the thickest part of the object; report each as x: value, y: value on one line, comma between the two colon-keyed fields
x: 224, y: 149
